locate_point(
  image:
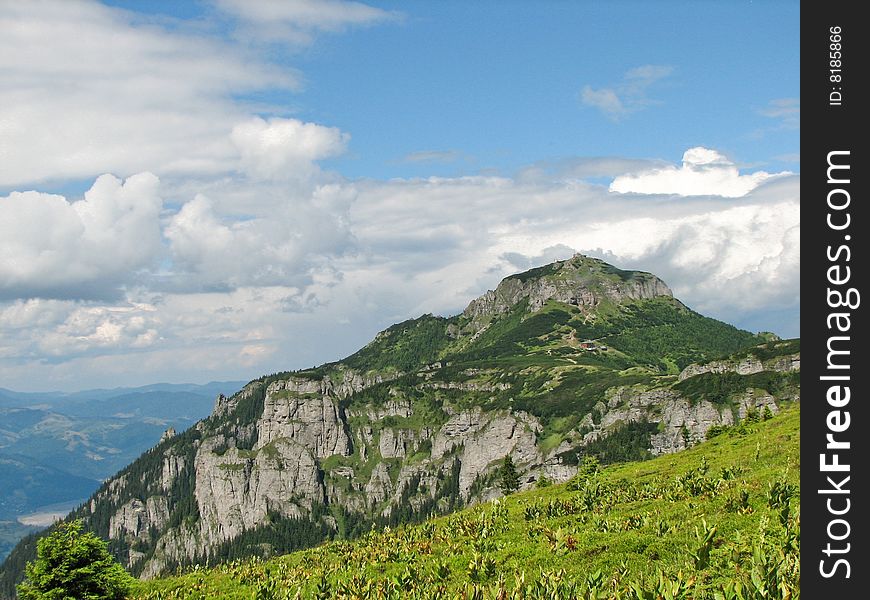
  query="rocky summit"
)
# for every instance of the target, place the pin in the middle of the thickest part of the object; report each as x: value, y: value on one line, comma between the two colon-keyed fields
x: 573, y: 358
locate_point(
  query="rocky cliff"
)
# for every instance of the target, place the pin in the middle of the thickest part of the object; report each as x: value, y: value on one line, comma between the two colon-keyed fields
x: 581, y: 281
x: 549, y: 366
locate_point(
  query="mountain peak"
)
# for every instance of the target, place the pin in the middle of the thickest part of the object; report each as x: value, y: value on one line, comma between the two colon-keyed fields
x: 581, y: 280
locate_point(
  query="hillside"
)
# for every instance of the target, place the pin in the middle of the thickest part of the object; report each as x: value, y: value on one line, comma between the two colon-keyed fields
x: 723, y: 514
x: 557, y: 363
x: 56, y: 448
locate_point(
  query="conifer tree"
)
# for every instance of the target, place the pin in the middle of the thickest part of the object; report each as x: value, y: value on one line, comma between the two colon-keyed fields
x: 73, y: 564
x: 509, y: 479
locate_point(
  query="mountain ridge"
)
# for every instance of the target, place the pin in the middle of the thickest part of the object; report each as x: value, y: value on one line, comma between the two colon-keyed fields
x: 417, y: 421
x: 62, y: 447
x: 693, y: 525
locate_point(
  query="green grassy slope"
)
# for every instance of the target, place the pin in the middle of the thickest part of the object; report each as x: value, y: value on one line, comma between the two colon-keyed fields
x: 718, y: 521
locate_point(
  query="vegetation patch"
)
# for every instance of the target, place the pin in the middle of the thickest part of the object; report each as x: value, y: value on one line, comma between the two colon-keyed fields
x: 624, y: 443
x: 721, y: 388
x: 703, y: 524
x: 405, y: 346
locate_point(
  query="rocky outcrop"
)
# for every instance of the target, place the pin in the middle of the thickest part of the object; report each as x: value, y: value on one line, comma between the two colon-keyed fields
x: 223, y: 406
x: 581, y: 281
x: 167, y: 435
x: 485, y: 438
x: 391, y: 408
x: 681, y: 422
x: 380, y: 486
x: 466, y: 386
x: 297, y: 410
x: 744, y: 366
x: 136, y: 517
x: 236, y: 489
x: 173, y: 465
x: 401, y: 443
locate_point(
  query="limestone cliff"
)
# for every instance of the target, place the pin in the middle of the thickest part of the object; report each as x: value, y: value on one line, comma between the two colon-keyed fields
x: 580, y: 281
x: 546, y: 367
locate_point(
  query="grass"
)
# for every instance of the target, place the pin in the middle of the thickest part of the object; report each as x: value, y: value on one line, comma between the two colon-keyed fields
x: 702, y: 522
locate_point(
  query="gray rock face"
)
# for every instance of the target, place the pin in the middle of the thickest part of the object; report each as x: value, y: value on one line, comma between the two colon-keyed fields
x: 391, y: 408
x: 503, y: 434
x: 135, y: 517
x: 745, y: 366
x: 167, y: 435
x: 401, y: 443
x: 224, y: 406
x: 172, y: 467
x: 174, y: 546
x: 299, y: 412
x: 681, y: 422
x: 236, y: 489
x: 486, y: 438
x: 581, y: 281
x: 380, y: 486
x: 753, y: 400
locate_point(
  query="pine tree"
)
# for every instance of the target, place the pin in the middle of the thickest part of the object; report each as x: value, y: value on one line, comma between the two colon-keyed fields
x: 73, y: 564
x: 509, y: 479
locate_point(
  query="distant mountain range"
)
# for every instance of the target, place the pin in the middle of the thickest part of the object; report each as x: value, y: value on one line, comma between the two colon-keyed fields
x: 58, y: 447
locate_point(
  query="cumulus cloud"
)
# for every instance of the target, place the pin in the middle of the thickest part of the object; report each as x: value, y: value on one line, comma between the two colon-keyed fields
x: 703, y: 172
x: 141, y: 334
x: 211, y: 251
x: 87, y: 90
x: 101, y: 328
x: 627, y: 96
x: 311, y: 277
x: 285, y: 148
x: 51, y: 247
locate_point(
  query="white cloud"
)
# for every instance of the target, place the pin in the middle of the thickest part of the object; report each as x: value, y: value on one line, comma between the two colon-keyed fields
x: 786, y: 110
x: 54, y: 248
x: 720, y: 255
x: 605, y: 99
x: 298, y: 20
x: 313, y: 274
x: 628, y: 96
x: 281, y: 247
x: 703, y: 172
x: 432, y: 156
x: 85, y: 90
x: 285, y: 148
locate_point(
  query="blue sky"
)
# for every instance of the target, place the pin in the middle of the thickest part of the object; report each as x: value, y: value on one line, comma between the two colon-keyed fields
x: 498, y: 85
x: 214, y: 190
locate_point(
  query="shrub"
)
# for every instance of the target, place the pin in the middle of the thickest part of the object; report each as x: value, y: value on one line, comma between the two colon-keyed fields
x: 589, y: 467
x: 73, y: 564
x: 543, y: 482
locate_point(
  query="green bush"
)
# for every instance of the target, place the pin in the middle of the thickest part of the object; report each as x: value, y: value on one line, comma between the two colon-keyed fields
x: 72, y: 564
